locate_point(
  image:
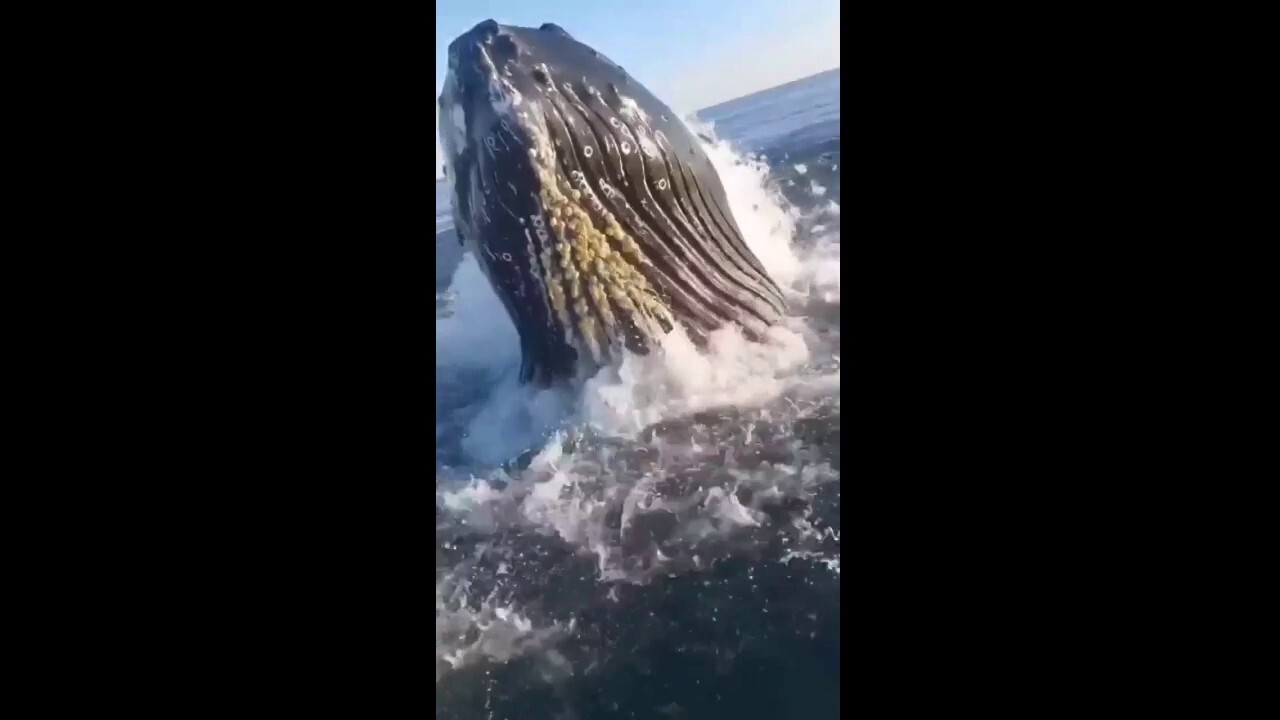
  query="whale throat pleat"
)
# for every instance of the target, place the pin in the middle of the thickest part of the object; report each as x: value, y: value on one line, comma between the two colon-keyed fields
x: 645, y: 198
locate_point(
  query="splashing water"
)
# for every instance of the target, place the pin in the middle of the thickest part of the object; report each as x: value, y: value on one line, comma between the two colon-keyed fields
x: 555, y: 509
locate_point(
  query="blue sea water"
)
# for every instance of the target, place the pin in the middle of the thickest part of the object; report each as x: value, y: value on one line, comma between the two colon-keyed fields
x: 665, y: 542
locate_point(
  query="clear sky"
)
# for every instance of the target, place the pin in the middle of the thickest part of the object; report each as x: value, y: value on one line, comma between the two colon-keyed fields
x: 691, y: 53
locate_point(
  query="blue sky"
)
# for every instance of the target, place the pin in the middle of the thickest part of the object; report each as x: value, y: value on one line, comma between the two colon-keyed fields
x: 691, y: 53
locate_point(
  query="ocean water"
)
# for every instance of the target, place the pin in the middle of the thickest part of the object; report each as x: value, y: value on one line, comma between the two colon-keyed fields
x: 665, y: 541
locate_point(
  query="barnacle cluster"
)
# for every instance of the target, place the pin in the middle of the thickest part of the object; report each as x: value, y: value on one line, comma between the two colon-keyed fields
x: 591, y: 264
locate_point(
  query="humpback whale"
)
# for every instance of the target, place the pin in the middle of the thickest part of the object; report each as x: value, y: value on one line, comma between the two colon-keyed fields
x: 589, y: 206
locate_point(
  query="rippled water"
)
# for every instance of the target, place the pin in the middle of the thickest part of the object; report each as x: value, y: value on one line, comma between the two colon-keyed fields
x: 664, y: 542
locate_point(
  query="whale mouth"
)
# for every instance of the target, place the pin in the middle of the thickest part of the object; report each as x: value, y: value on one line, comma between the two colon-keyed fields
x: 590, y: 207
